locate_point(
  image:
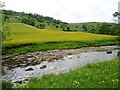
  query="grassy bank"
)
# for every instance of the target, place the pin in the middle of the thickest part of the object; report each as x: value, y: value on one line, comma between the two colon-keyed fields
x: 100, y: 75
x: 22, y: 48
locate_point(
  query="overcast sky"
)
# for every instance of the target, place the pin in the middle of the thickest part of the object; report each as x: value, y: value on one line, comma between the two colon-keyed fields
x: 70, y: 11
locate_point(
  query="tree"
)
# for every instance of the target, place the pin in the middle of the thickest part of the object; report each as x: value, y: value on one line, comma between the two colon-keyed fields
x: 4, y: 29
x: 84, y: 28
x: 115, y: 30
x: 28, y: 21
x: 68, y: 29
x: 116, y: 14
x: 41, y: 26
x: 57, y: 26
x: 104, y: 28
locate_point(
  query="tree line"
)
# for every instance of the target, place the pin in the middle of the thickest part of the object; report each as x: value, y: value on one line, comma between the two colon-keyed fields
x: 36, y: 20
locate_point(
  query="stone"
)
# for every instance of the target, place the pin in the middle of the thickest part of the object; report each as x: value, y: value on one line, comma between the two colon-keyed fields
x: 43, y: 59
x: 4, y: 69
x: 6, y: 57
x: 63, y: 59
x: 118, y: 54
x: 43, y: 66
x: 109, y: 52
x: 29, y: 55
x: 18, y: 81
x: 22, y: 64
x: 59, y: 57
x: 27, y: 78
x: 78, y: 56
x: 29, y: 63
x: 70, y: 57
x: 29, y: 59
x: 52, y: 59
x: 29, y: 69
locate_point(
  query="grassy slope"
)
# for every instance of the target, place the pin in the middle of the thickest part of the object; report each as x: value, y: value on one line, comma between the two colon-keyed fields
x: 21, y: 33
x: 100, y: 75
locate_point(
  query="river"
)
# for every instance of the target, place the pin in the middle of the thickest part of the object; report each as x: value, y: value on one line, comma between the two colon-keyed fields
x: 62, y: 65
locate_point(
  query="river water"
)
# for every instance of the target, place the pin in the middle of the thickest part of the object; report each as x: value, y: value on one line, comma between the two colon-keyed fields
x: 59, y: 66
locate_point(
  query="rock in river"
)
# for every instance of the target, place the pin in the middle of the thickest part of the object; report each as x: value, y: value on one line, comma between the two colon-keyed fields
x: 43, y: 66
x: 29, y: 69
x: 118, y: 54
x: 109, y: 52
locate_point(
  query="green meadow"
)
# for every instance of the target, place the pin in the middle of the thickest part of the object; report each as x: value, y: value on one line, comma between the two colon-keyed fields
x: 21, y: 33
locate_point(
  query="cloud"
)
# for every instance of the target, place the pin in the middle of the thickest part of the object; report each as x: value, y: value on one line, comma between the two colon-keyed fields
x: 68, y: 10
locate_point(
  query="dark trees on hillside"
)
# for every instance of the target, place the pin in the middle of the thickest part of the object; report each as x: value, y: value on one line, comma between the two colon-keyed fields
x: 41, y: 26
x: 84, y: 28
x: 116, y: 30
x: 66, y: 28
x: 32, y: 19
x: 104, y: 28
x: 57, y: 26
x: 28, y: 21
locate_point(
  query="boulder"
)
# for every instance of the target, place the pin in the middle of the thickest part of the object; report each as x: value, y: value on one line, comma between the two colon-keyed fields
x: 78, y: 56
x: 3, y: 69
x: 109, y: 52
x: 30, y: 59
x: 118, y: 54
x: 70, y: 57
x: 43, y: 66
x: 29, y: 69
x: 21, y: 81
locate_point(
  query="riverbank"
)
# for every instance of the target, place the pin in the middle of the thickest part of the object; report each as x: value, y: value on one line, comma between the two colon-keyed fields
x: 71, y: 59
x: 50, y: 55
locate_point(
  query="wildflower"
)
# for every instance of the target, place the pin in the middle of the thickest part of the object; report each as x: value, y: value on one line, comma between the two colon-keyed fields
x: 113, y: 80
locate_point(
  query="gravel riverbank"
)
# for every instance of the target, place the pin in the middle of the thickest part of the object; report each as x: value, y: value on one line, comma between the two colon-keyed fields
x: 50, y: 56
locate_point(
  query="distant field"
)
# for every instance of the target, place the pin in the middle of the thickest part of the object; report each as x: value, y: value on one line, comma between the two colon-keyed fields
x: 21, y: 33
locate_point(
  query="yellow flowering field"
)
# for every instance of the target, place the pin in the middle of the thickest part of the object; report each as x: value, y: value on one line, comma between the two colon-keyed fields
x: 21, y: 33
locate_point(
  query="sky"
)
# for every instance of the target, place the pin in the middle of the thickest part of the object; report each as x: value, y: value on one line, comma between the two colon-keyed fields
x: 71, y: 11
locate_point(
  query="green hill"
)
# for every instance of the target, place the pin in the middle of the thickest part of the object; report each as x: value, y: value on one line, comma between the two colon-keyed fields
x: 36, y: 20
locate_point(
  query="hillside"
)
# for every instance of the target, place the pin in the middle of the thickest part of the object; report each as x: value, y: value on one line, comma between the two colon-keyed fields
x: 43, y: 22
x: 36, y: 20
x: 25, y: 33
